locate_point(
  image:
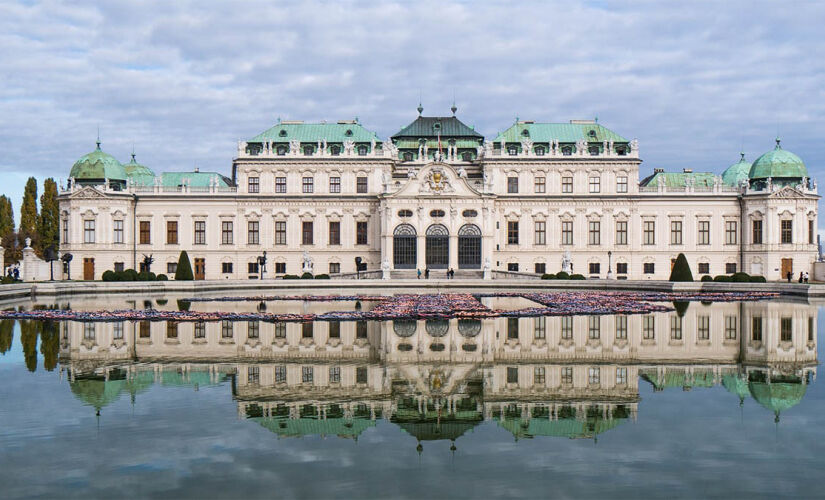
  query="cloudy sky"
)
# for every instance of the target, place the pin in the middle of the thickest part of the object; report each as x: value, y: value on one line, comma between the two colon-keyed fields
x: 183, y: 81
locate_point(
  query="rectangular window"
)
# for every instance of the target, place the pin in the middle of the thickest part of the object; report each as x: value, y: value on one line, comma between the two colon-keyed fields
x: 145, y: 232
x: 307, y: 330
x: 89, y: 330
x: 594, y: 375
x: 88, y: 231
x: 566, y: 232
x: 730, y: 327
x: 171, y: 268
x: 254, y: 184
x: 595, y: 184
x: 811, y: 232
x: 306, y: 233
x: 703, y: 327
x: 594, y: 327
x: 335, y: 185
x: 756, y: 328
x: 361, y: 375
x: 787, y: 231
x: 621, y: 232
x: 621, y: 268
x: 226, y: 267
x: 334, y: 267
x: 145, y: 329
x: 280, y: 184
x: 621, y: 376
x: 280, y: 374
x: 361, y: 233
x: 360, y: 329
x: 307, y: 185
x: 512, y: 375
x: 704, y: 232
x: 227, y: 329
x: 65, y: 231
x: 541, y: 233
x: 566, y: 327
x: 540, y: 185
x: 280, y: 232
x: 512, y: 232
x: 540, y: 327
x: 704, y: 268
x: 361, y: 185
x: 540, y: 268
x: 119, y: 267
x: 307, y: 374
x: 171, y: 329
x: 567, y: 184
x: 810, y: 328
x: 252, y: 268
x: 334, y: 374
x: 118, y: 230
x: 171, y: 232
x: 621, y: 184
x: 117, y: 330
x: 566, y: 374
x: 335, y: 329
x: 594, y: 232
x: 648, y: 328
x: 730, y: 267
x: 334, y: 233
x: 512, y: 328
x: 200, y: 330
x: 280, y: 268
x: 512, y: 184
x: 786, y: 329
x: 227, y: 232
x: 756, y: 233
x: 649, y: 230
x: 200, y: 232
x: 594, y: 268
x: 621, y: 327
x: 731, y: 237
x: 253, y: 375
x: 280, y: 330
x: 649, y: 268
x: 675, y: 327
x: 539, y: 375
x: 512, y: 266
x: 675, y: 232
x: 253, y: 232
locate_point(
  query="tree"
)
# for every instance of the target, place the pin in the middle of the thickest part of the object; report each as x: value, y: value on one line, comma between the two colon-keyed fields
x: 681, y: 269
x: 7, y: 235
x: 28, y: 211
x: 184, y: 270
x: 48, y: 221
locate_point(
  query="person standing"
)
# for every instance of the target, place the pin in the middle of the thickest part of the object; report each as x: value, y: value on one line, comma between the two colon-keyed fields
x: 418, y: 272
x: 801, y: 277
x: 806, y: 276
x: 427, y: 273
x: 789, y: 276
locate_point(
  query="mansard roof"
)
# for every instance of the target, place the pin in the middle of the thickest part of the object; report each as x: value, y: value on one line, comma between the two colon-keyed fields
x: 679, y: 179
x: 430, y: 126
x: 574, y: 131
x: 345, y: 130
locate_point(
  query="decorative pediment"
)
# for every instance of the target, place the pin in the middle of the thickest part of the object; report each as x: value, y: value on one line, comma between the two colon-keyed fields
x: 87, y: 193
x: 788, y: 192
x: 437, y: 179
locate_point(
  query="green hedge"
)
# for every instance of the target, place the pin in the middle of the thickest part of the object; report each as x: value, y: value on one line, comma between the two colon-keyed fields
x: 548, y: 276
x: 740, y: 278
x: 758, y: 279
x: 722, y: 278
x: 290, y: 277
x: 707, y: 277
x: 577, y: 277
x: 322, y: 277
x: 131, y: 275
x: 306, y: 276
x: 562, y: 276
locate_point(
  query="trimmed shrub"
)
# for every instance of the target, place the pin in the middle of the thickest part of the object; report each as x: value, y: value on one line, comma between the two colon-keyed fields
x: 306, y: 276
x: 162, y: 302
x: 548, y: 276
x: 681, y: 269
x: 144, y: 276
x: 322, y: 277
x: 109, y: 276
x: 130, y: 275
x: 562, y: 276
x: 707, y: 277
x: 577, y: 277
x: 758, y: 279
x: 183, y: 305
x: 290, y: 277
x: 722, y: 278
x: 162, y: 277
x: 740, y: 278
x: 681, y: 307
x: 8, y: 280
x: 184, y: 270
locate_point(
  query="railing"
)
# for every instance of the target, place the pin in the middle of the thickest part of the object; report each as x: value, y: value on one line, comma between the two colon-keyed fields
x: 362, y: 275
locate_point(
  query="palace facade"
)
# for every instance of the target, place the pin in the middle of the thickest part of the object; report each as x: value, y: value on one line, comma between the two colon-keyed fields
x: 437, y: 195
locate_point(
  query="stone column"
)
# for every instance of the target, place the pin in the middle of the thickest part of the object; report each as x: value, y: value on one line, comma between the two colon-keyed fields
x: 421, y: 252
x: 453, y: 251
x: 29, y: 262
x: 2, y: 261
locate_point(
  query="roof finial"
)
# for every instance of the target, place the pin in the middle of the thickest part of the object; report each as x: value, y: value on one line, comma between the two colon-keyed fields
x: 98, y: 138
x: 420, y: 108
x: 133, y: 152
x: 741, y: 156
x: 778, y: 140
x: 454, y: 108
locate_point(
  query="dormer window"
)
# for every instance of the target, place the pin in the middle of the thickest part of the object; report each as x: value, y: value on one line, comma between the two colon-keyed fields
x: 282, y: 133
x: 592, y: 133
x: 593, y: 150
x: 281, y: 150
x: 335, y: 150
x: 437, y: 127
x: 525, y: 133
x: 512, y: 151
x: 621, y: 151
x: 539, y: 151
x: 348, y: 133
x: 467, y: 156
x: 408, y: 156
x: 567, y: 150
x: 308, y: 150
x: 362, y: 151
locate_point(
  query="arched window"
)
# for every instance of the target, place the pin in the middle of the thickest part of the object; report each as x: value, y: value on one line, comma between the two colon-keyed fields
x: 469, y: 327
x: 567, y: 150
x: 469, y: 247
x: 437, y: 247
x: 467, y: 156
x: 408, y: 156
x: 404, y: 246
x: 469, y: 213
x: 436, y: 213
x: 282, y: 133
x: 512, y: 150
x: 437, y: 327
x: 348, y: 133
x: 281, y: 150
x: 308, y: 150
x: 335, y: 150
x: 404, y: 327
x: 593, y: 150
x: 362, y: 151
x: 525, y: 133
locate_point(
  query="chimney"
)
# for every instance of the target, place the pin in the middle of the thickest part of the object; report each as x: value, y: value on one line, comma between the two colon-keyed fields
x: 197, y: 169
x: 658, y: 170
x: 687, y: 170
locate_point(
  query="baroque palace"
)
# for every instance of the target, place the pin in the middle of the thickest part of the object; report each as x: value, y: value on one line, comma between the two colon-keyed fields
x: 539, y: 197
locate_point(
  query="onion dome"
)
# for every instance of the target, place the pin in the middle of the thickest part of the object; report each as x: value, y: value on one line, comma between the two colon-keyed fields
x: 96, y: 167
x: 778, y: 396
x: 133, y: 168
x: 738, y: 172
x: 778, y: 164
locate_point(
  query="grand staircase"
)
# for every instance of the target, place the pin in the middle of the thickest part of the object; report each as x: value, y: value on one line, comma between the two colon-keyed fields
x: 437, y: 274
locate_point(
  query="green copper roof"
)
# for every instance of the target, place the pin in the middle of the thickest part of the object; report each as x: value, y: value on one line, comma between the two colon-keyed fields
x: 778, y: 396
x: 175, y: 179
x: 736, y: 385
x: 571, y: 428
x: 432, y: 144
x: 561, y: 132
x: 433, y: 431
x: 299, y: 427
x: 432, y: 126
x: 99, y: 393
x: 314, y: 132
x: 679, y: 179
x: 778, y: 164
x: 736, y: 173
x: 98, y: 165
x: 134, y: 168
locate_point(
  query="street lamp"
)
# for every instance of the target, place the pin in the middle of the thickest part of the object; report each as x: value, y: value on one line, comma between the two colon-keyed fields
x: 609, y: 265
x: 262, y: 265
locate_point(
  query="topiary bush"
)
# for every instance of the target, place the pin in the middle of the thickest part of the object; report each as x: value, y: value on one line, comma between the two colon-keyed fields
x: 130, y: 275
x: 577, y: 277
x: 740, y: 278
x: 758, y: 279
x: 162, y: 277
x: 681, y: 269
x: 184, y: 271
x: 322, y: 277
x: 707, y: 277
x: 290, y: 277
x: 108, y: 276
x: 143, y: 276
x: 306, y: 276
x: 722, y: 278
x: 548, y: 276
x: 562, y: 276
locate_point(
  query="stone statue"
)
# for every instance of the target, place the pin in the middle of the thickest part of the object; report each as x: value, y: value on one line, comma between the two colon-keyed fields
x: 487, y: 263
x: 567, y: 262
x: 386, y: 178
x: 294, y: 146
x: 411, y: 173
x: 385, y: 269
x: 485, y: 178
x: 349, y: 147
x: 527, y: 146
x: 462, y: 172
x: 307, y: 267
x: 770, y: 184
x: 634, y: 146
x: 241, y: 147
x: 488, y: 148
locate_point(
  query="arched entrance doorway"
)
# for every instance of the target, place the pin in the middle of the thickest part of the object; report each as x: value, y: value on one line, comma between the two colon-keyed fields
x: 438, y: 247
x: 404, y: 246
x: 469, y: 247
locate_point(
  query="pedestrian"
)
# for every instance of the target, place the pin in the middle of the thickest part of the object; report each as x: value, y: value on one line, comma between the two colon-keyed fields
x: 789, y: 276
x: 800, y: 277
x: 452, y: 273
x: 806, y: 276
x: 418, y: 271
x: 427, y: 273
x: 17, y: 273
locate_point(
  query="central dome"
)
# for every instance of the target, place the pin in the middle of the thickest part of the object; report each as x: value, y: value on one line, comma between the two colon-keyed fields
x: 778, y: 164
x: 96, y: 167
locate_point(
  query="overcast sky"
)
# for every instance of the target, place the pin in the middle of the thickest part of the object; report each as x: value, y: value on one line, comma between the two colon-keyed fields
x: 183, y: 81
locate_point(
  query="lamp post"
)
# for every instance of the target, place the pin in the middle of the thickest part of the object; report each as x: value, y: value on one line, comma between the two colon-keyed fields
x: 262, y: 265
x: 609, y: 265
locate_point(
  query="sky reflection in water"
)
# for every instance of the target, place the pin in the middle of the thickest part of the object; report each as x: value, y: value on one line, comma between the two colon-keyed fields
x: 185, y: 417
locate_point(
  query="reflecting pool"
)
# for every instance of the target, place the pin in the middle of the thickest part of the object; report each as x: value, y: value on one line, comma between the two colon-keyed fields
x: 714, y: 400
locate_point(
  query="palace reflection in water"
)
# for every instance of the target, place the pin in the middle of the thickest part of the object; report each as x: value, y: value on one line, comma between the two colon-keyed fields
x: 437, y: 379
